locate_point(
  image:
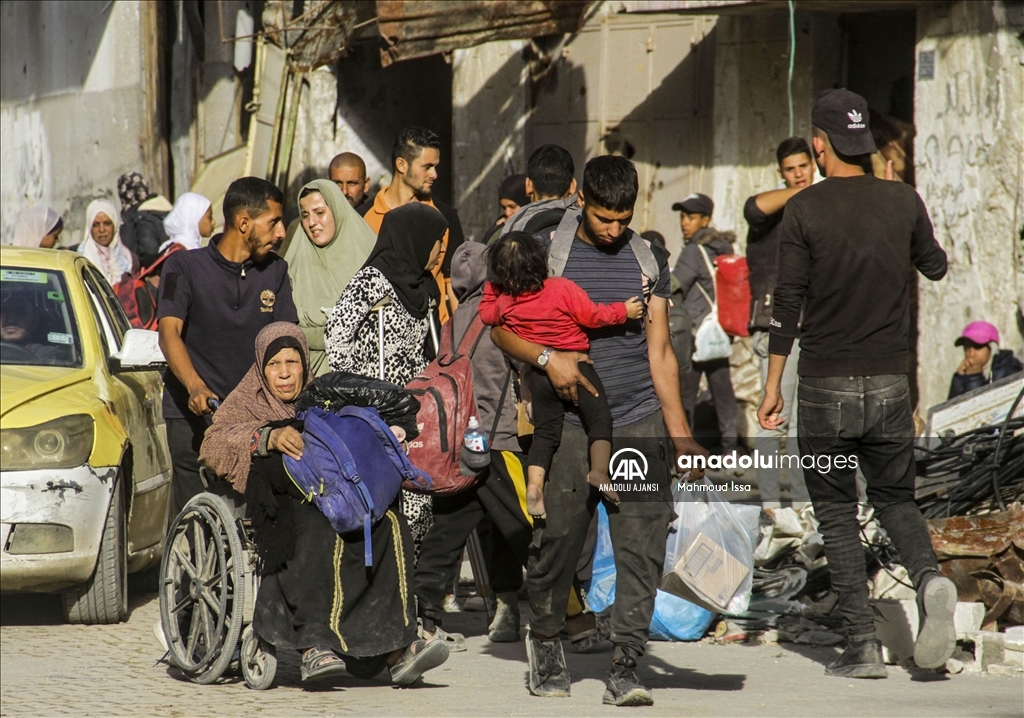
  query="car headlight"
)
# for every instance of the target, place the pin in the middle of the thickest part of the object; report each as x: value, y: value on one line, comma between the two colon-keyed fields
x: 59, y: 444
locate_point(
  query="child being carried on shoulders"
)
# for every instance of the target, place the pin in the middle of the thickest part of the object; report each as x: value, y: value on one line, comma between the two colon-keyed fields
x: 553, y: 312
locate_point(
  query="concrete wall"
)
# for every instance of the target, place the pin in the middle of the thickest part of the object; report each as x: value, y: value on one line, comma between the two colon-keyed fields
x: 751, y: 114
x: 70, y: 83
x: 968, y: 150
x: 490, y: 97
x: 359, y: 106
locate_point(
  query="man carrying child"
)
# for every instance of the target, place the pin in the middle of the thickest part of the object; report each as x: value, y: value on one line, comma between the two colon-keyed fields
x: 641, y: 379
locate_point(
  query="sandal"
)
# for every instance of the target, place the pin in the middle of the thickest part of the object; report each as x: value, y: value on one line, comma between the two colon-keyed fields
x: 456, y: 642
x: 418, y: 658
x: 319, y: 663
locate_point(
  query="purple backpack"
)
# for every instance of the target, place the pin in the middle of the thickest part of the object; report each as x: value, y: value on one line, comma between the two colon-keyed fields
x: 352, y: 468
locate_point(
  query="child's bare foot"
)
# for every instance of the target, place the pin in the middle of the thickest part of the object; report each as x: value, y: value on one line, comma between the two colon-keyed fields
x: 535, y: 501
x: 597, y: 480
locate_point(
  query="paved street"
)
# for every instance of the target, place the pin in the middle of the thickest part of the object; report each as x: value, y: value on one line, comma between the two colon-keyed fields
x: 49, y: 669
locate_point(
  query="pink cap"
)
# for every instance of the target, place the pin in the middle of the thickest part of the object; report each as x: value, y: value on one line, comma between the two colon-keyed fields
x: 980, y: 333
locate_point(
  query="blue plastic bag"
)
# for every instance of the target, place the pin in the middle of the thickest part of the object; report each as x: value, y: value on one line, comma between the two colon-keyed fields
x: 675, y: 619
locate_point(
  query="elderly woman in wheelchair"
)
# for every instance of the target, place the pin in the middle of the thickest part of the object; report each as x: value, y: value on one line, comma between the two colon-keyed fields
x: 316, y: 593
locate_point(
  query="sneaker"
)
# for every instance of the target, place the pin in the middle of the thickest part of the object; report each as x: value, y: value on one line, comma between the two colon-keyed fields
x: 451, y: 605
x: 549, y: 677
x: 504, y: 627
x: 860, y: 660
x: 623, y: 687
x: 936, y: 604
x: 596, y: 640
x: 419, y: 657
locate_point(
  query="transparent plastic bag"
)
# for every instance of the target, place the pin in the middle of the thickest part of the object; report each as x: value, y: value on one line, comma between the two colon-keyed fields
x: 709, y: 559
x: 674, y: 619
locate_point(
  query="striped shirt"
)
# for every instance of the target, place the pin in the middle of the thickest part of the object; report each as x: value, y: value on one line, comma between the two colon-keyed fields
x: 619, y: 352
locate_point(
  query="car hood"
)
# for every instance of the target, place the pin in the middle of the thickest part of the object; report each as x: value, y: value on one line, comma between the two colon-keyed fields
x: 21, y: 384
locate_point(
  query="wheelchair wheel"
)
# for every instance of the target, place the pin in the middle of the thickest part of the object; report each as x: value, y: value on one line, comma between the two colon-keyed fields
x: 202, y: 589
x: 258, y: 660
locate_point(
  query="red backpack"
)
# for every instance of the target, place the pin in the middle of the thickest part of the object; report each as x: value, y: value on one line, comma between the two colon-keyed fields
x: 445, y: 391
x: 732, y: 286
x: 136, y: 294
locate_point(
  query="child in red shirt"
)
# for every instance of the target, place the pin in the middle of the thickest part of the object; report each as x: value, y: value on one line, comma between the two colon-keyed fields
x: 553, y: 312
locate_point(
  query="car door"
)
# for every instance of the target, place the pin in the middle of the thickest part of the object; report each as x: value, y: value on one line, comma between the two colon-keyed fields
x: 136, y: 398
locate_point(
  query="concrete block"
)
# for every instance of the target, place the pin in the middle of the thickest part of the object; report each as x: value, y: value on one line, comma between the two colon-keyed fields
x: 896, y: 623
x: 1013, y: 638
x: 988, y: 648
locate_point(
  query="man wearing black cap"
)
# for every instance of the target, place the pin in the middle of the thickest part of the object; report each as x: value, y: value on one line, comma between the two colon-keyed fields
x: 697, y: 285
x: 863, y: 233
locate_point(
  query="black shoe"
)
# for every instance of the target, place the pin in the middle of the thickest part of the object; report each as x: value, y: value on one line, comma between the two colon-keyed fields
x: 623, y: 688
x: 860, y: 660
x: 936, y: 604
x: 549, y: 677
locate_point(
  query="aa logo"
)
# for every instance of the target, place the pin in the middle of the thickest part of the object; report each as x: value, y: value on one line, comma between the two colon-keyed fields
x: 625, y: 465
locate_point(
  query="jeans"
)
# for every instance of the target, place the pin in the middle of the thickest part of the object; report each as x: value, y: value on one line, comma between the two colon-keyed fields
x: 769, y: 441
x: 869, y: 419
x: 638, y: 533
x: 720, y: 383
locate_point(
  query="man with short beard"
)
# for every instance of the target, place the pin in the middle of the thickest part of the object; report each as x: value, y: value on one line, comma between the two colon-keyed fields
x: 348, y: 171
x: 214, y: 300
x: 414, y: 160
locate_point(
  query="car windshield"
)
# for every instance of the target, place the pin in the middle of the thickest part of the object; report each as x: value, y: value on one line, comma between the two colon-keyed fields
x: 37, y: 323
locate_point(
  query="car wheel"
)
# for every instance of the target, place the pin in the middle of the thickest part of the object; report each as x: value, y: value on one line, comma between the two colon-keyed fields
x: 104, y: 597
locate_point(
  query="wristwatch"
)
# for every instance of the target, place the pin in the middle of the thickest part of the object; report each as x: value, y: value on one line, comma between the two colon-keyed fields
x: 542, y: 360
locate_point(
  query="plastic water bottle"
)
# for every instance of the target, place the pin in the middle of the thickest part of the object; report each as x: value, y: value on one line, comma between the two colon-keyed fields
x: 475, y: 439
x: 474, y: 446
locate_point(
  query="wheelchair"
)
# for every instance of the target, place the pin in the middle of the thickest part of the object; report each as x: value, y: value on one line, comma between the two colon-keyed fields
x: 208, y: 586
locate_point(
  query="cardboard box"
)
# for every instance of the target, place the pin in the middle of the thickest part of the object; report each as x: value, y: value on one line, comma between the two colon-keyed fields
x: 705, y: 569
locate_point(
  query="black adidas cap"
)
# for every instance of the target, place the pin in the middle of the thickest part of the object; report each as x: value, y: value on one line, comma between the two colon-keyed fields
x: 695, y: 204
x: 844, y: 117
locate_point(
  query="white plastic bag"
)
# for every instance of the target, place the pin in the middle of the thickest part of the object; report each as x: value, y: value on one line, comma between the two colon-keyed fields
x: 710, y: 557
x: 710, y: 341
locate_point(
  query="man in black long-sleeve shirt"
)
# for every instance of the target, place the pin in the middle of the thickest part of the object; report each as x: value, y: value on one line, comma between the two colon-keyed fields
x: 846, y: 249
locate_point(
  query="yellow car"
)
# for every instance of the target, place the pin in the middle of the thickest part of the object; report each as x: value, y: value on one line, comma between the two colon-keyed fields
x: 84, y: 466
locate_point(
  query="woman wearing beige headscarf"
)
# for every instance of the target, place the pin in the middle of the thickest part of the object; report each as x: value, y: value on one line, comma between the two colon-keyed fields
x: 317, y: 594
x: 333, y: 246
x: 38, y: 227
x: 102, y: 242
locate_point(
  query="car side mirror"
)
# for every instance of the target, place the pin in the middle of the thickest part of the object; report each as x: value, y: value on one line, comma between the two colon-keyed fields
x: 140, y: 351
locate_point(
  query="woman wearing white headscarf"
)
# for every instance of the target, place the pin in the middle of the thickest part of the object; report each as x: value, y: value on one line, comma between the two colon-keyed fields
x: 189, y: 222
x: 102, y: 242
x: 38, y: 227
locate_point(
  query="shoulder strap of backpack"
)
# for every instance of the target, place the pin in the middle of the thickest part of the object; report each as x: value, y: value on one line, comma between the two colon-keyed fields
x: 474, y: 332
x: 714, y: 278
x: 501, y: 405
x: 649, y: 267
x: 520, y: 219
x: 561, y: 243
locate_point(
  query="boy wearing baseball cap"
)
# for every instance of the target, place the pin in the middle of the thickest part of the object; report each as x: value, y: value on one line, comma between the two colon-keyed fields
x: 864, y: 234
x: 984, y: 361
x: 697, y: 286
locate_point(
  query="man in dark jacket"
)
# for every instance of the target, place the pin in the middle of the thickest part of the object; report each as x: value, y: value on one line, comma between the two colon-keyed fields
x: 692, y: 273
x: 864, y: 235
x: 984, y: 361
x: 763, y: 213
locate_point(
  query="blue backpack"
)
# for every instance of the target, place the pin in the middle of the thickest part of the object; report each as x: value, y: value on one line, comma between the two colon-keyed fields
x: 352, y: 468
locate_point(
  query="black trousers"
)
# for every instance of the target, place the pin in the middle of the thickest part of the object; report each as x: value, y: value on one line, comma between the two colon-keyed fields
x: 720, y: 383
x: 184, y: 438
x: 638, y: 532
x: 455, y: 517
x: 868, y: 418
x: 549, y: 415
